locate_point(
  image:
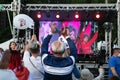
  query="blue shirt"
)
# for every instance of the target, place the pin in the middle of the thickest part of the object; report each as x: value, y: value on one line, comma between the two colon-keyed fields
x: 114, y: 62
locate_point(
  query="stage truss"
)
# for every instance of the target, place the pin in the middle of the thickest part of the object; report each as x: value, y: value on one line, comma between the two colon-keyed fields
x: 70, y: 7
x: 15, y: 6
x: 64, y: 7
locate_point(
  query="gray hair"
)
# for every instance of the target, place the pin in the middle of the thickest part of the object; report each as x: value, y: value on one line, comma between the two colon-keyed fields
x: 58, y: 47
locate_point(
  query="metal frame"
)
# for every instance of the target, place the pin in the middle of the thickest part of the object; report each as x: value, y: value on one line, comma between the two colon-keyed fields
x: 64, y: 7
x: 6, y: 7
x: 71, y: 7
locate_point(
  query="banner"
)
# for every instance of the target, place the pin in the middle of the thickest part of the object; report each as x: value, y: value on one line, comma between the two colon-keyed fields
x: 23, y: 21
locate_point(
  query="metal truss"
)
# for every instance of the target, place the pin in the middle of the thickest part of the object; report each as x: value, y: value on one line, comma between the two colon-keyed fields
x: 65, y: 7
x: 6, y: 7
x: 71, y: 6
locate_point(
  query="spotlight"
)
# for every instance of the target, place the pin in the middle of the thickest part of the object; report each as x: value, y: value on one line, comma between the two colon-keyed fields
x: 39, y: 15
x: 76, y: 15
x: 97, y: 16
x: 57, y: 15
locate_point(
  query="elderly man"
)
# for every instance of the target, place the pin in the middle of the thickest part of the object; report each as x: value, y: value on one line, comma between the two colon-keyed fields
x: 114, y: 63
x: 55, y: 66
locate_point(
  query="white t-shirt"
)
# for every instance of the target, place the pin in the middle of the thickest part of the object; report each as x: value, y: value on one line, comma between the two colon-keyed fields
x: 34, y: 73
x: 6, y: 74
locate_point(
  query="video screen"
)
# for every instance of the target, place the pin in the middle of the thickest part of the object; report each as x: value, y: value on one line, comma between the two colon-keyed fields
x: 84, y: 34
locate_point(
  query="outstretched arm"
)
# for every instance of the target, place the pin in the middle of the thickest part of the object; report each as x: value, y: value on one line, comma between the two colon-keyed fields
x: 88, y: 29
x: 73, y: 49
x: 93, y: 39
x: 76, y: 72
x: 72, y: 46
x: 44, y: 47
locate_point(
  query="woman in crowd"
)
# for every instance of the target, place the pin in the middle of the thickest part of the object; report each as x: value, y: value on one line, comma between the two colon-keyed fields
x: 5, y: 73
x: 15, y: 63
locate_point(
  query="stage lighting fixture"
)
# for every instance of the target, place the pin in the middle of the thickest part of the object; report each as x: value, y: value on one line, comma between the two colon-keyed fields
x: 57, y: 15
x: 76, y: 15
x: 39, y: 15
x: 97, y: 15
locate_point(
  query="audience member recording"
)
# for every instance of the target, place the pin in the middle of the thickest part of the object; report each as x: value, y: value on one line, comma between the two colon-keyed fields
x: 32, y: 59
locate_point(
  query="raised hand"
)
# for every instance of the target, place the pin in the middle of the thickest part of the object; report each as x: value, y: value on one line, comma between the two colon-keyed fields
x: 34, y: 38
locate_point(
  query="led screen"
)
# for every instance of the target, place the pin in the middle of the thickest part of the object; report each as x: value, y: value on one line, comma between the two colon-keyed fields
x: 84, y: 34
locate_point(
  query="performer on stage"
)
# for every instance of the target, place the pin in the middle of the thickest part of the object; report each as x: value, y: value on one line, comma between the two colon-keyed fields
x: 84, y: 44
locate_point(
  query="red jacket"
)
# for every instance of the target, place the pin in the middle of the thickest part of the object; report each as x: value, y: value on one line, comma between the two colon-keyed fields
x: 83, y: 47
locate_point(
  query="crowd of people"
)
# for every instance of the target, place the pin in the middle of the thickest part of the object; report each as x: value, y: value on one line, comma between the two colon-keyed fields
x: 38, y: 64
